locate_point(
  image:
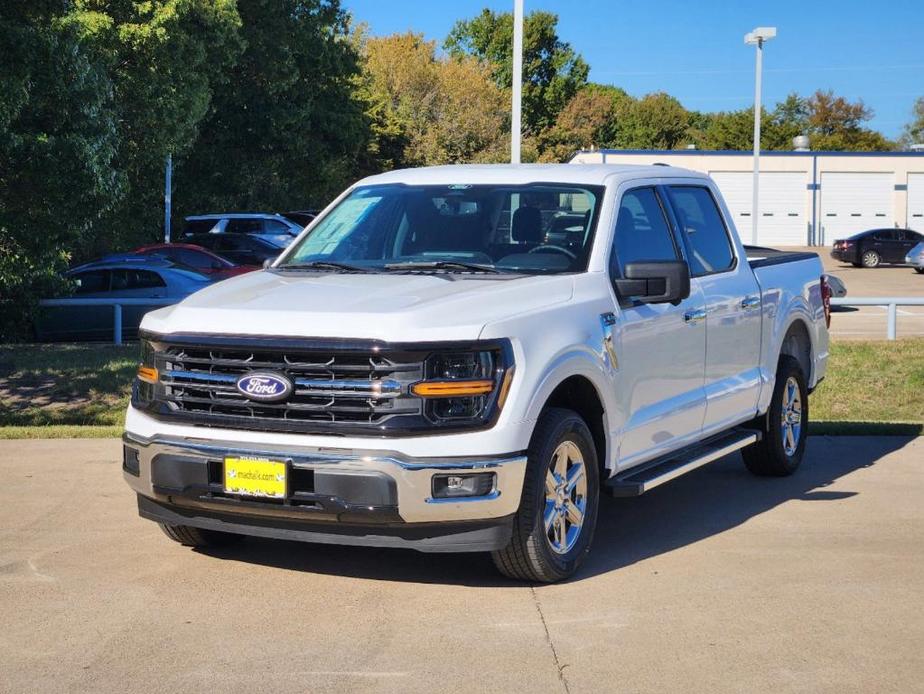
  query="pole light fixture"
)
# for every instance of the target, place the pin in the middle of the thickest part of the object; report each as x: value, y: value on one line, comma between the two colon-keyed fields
x: 757, y: 38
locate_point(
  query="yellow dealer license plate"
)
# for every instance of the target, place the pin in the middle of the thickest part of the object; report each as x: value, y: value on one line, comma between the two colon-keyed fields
x: 255, y: 477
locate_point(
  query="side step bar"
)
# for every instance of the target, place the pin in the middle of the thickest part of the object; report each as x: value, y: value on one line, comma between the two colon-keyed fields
x: 640, y: 479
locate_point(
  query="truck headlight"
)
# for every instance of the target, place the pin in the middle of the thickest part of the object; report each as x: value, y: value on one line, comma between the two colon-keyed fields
x: 146, y: 377
x: 469, y: 385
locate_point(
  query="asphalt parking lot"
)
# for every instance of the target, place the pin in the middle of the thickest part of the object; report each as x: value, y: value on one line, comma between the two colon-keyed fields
x: 717, y: 582
x: 869, y: 322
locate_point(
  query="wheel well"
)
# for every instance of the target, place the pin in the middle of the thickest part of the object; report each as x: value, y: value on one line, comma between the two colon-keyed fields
x: 577, y: 393
x: 798, y: 344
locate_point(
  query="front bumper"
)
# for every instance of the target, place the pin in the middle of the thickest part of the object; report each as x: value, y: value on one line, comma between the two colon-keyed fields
x: 376, y: 498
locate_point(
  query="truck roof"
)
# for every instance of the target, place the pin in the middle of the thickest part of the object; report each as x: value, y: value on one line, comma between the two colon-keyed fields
x: 586, y: 174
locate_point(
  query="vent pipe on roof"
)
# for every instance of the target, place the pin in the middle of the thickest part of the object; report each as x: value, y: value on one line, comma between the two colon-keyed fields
x: 800, y: 143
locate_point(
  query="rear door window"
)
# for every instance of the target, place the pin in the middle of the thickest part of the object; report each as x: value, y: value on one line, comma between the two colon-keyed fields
x: 244, y: 226
x: 92, y: 282
x: 274, y: 226
x: 701, y: 224
x: 129, y: 279
x: 199, y: 226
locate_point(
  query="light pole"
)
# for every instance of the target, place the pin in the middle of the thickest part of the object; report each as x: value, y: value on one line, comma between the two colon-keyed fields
x: 757, y: 38
x: 516, y: 126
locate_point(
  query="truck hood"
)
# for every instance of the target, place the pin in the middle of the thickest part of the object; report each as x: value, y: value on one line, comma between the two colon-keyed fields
x: 390, y: 307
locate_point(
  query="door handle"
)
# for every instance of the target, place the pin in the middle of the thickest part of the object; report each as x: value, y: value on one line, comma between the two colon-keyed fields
x: 696, y: 316
x: 749, y: 303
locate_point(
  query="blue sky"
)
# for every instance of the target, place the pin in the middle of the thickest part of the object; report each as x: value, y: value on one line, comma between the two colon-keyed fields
x: 694, y: 49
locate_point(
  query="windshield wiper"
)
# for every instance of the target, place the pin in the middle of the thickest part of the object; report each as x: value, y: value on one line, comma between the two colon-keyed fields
x: 323, y: 265
x: 443, y: 265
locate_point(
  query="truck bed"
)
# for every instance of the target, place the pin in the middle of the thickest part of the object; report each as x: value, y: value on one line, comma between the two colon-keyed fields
x: 758, y: 256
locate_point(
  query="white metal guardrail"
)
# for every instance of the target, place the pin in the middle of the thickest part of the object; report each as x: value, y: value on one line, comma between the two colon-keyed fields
x: 116, y: 304
x: 892, y: 302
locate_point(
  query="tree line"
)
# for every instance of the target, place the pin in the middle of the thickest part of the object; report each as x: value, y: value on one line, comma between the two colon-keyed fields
x: 278, y: 104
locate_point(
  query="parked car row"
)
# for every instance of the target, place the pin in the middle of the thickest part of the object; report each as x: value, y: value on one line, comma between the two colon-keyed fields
x: 215, y: 248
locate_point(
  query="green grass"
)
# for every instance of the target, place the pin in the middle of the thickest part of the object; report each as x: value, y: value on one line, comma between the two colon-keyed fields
x: 65, y: 385
x: 875, y: 381
x: 63, y: 391
x: 60, y: 431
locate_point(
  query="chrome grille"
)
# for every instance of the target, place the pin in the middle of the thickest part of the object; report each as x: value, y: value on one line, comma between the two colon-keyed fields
x: 332, y: 388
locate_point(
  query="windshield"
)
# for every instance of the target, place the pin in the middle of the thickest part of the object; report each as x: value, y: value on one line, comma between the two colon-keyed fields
x: 532, y: 229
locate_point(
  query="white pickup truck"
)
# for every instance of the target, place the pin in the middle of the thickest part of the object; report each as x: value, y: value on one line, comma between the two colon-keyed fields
x: 463, y: 358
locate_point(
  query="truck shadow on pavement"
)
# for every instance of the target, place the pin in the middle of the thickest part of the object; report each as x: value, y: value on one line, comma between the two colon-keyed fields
x: 696, y: 506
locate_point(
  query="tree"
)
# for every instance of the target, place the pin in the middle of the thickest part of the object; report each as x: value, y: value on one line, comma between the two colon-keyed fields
x: 553, y: 71
x: 284, y: 130
x: 589, y: 120
x: 164, y: 60
x: 834, y: 123
x: 58, y: 139
x: 914, y: 131
x: 427, y: 110
x: 656, y: 121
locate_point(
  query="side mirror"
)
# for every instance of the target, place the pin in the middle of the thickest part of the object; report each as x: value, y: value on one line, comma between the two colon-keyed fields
x: 267, y: 262
x: 655, y: 282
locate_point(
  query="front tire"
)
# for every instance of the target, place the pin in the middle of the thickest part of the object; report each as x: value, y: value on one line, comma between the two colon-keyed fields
x: 784, y: 427
x: 919, y: 270
x: 871, y: 259
x: 554, y: 526
x: 189, y: 536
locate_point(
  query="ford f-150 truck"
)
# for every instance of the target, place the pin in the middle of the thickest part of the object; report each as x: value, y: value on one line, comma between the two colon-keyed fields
x: 463, y: 358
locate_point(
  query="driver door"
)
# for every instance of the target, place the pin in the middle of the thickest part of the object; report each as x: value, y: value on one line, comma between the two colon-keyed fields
x: 661, y: 347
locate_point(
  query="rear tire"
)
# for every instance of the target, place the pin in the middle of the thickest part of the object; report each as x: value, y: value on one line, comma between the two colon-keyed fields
x: 919, y: 270
x: 871, y: 259
x: 784, y: 427
x: 189, y: 536
x: 554, y: 526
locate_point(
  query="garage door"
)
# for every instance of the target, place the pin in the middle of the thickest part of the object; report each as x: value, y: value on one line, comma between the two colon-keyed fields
x: 852, y: 202
x: 916, y: 202
x: 783, y: 198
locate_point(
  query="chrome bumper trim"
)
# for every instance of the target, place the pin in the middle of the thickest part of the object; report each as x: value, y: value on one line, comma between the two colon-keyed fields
x: 411, y: 475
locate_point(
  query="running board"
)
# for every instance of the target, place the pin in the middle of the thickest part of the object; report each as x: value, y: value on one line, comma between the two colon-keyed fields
x: 640, y: 479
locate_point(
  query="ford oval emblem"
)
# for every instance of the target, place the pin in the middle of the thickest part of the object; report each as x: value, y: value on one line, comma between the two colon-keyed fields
x: 264, y: 386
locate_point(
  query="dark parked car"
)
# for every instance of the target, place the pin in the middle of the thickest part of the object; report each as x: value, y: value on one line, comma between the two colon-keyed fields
x: 117, y: 278
x: 199, y: 258
x: 876, y: 246
x: 242, y: 249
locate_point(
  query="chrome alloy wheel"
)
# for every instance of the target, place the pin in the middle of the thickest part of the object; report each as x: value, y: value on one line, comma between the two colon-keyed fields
x: 565, y: 497
x: 791, y: 416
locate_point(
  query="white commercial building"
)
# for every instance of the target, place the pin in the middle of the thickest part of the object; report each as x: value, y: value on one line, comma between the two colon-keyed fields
x: 806, y: 198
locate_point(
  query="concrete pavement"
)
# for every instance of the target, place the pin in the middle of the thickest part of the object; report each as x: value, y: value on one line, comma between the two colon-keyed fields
x: 717, y: 582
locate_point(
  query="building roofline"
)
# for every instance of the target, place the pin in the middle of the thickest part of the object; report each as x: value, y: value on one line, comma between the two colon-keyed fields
x: 747, y: 153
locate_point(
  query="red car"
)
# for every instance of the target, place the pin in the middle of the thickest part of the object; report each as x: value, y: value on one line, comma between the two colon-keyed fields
x: 197, y: 257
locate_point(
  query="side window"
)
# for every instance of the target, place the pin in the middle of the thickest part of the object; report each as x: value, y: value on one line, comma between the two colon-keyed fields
x: 884, y: 235
x: 703, y: 228
x: 192, y: 258
x: 135, y: 279
x: 244, y: 226
x: 642, y: 232
x: 274, y: 226
x: 92, y: 282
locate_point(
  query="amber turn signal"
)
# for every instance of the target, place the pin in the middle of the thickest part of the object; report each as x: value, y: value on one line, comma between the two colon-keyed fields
x: 452, y: 389
x: 148, y: 374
